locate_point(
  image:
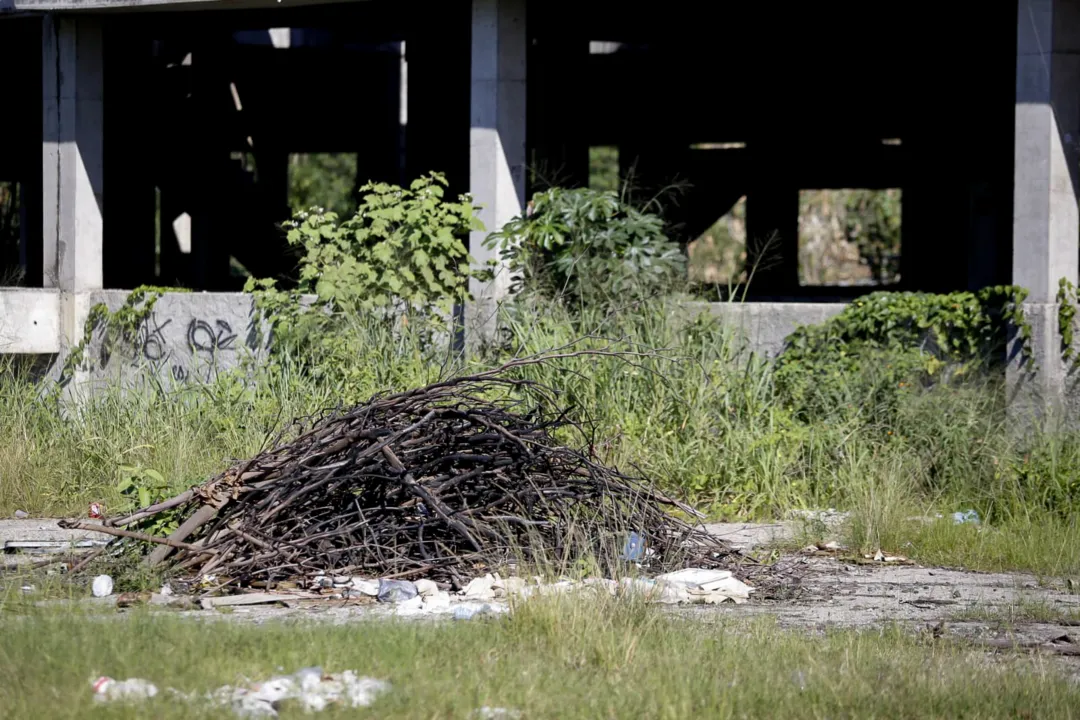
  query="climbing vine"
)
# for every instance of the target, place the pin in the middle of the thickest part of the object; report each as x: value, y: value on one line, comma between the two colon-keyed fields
x: 899, y: 337
x: 1067, y: 301
x: 118, y: 327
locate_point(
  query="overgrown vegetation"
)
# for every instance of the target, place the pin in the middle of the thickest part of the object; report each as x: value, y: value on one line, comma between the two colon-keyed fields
x: 588, y: 246
x: 551, y: 659
x: 893, y: 409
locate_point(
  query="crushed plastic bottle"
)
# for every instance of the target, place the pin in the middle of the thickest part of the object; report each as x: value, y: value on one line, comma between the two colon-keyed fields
x: 395, y: 591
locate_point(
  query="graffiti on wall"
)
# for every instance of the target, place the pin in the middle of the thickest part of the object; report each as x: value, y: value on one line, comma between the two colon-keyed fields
x: 193, y: 348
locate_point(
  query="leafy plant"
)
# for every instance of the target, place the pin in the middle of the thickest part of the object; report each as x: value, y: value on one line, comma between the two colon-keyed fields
x: 1067, y: 301
x: 900, y: 338
x: 141, y: 487
x: 588, y: 245
x: 400, y: 246
x: 384, y: 278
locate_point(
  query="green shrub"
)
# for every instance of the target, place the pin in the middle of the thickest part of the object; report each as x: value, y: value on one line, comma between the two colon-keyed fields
x: 590, y: 247
x: 882, y: 344
x: 401, y: 246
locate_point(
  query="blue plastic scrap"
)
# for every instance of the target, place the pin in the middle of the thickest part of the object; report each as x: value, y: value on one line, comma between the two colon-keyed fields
x: 634, y: 549
x: 968, y: 516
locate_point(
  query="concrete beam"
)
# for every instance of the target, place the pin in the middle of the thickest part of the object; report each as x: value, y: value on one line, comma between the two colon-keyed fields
x: 68, y: 6
x: 497, y: 125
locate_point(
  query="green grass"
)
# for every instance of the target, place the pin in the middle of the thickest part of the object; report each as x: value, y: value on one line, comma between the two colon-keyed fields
x: 555, y: 659
x: 694, y: 414
x: 1044, y: 545
x: 1024, y: 611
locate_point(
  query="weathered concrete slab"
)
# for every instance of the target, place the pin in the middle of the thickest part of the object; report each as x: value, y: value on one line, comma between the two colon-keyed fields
x: 43, y: 530
x: 29, y: 321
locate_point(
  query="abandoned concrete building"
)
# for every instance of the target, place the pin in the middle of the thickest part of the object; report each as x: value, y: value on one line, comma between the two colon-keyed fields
x: 151, y: 113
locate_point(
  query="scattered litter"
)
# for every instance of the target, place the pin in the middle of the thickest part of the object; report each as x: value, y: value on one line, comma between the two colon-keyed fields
x: 830, y: 548
x: 50, y: 546
x: 496, y: 713
x: 309, y: 687
x: 697, y: 585
x: 97, y: 511
x: 966, y: 517
x: 28, y: 588
x: 468, y: 611
x: 102, y: 586
x: 634, y: 549
x: 481, y: 588
x: 21, y: 514
x: 108, y: 690
x: 426, y: 587
x: 366, y: 587
x: 396, y: 591
x: 437, y: 601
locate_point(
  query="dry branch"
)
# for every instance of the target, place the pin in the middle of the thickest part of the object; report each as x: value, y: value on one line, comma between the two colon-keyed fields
x: 439, y: 480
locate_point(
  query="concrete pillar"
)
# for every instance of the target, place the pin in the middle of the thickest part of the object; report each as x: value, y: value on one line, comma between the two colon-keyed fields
x: 497, y: 125
x: 1046, y: 218
x: 1046, y: 215
x: 72, y: 144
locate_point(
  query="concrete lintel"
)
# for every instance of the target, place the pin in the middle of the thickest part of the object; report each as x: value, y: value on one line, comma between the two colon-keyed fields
x: 29, y: 321
x: 95, y: 6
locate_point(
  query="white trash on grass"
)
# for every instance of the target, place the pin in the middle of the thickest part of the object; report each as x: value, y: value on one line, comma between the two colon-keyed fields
x: 102, y: 586
x: 496, y: 713
x: 310, y: 688
x: 696, y: 585
x: 106, y: 689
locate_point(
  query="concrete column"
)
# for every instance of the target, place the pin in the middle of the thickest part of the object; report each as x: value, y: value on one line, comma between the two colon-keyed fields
x: 1046, y: 218
x: 497, y: 157
x: 1046, y: 214
x: 72, y: 163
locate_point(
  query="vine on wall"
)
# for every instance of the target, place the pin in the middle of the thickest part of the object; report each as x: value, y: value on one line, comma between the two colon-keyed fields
x: 119, y: 327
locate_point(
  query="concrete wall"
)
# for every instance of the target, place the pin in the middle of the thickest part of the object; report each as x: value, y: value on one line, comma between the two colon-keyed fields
x: 765, y: 326
x: 193, y: 336
x: 188, y: 337
x: 29, y: 321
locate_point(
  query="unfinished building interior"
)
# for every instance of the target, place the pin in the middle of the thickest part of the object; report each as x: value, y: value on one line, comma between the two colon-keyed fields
x: 166, y: 128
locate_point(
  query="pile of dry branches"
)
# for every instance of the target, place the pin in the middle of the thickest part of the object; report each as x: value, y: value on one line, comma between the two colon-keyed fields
x: 436, y: 482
